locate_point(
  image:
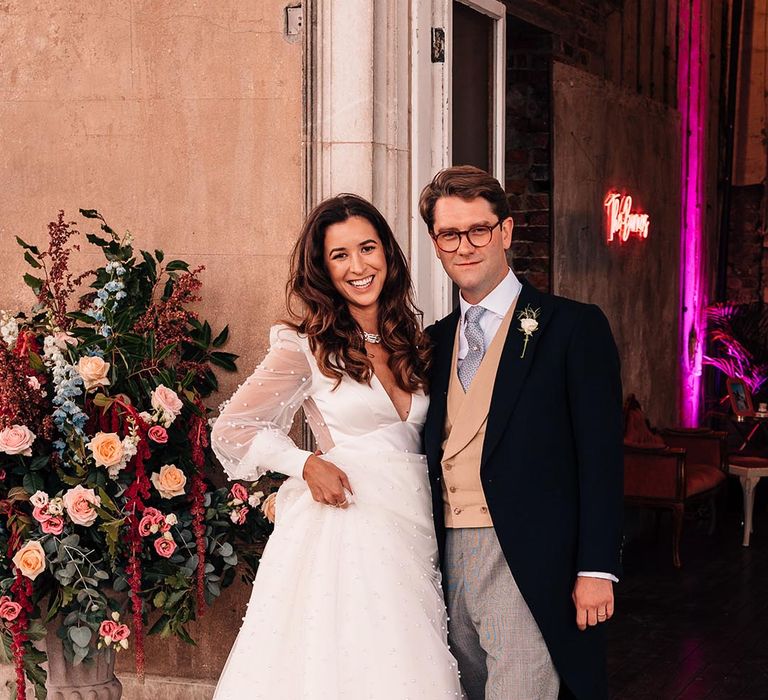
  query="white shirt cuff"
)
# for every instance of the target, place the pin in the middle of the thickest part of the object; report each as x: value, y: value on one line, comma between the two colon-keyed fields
x: 599, y: 574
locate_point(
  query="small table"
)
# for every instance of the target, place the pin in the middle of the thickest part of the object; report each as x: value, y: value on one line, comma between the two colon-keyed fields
x: 749, y: 470
x: 754, y: 423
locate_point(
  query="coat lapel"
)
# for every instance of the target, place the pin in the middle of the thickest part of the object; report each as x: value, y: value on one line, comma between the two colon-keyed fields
x: 513, y: 369
x: 443, y: 337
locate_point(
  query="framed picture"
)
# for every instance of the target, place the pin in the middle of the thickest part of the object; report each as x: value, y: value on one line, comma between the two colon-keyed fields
x: 741, y: 399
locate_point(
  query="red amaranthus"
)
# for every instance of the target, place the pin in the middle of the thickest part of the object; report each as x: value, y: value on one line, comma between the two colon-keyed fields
x: 135, y: 496
x: 198, y: 438
x: 21, y: 590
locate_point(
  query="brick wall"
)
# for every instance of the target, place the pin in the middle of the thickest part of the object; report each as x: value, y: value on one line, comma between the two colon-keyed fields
x: 747, y: 252
x: 614, y: 39
x: 528, y: 159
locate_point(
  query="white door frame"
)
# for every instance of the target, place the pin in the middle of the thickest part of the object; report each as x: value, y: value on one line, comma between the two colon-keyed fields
x: 431, y: 129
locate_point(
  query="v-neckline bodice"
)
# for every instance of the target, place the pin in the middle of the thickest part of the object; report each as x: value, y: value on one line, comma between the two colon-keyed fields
x: 392, y: 403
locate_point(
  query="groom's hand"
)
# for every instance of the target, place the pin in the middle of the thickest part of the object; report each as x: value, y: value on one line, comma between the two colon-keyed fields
x: 326, y: 482
x: 593, y: 598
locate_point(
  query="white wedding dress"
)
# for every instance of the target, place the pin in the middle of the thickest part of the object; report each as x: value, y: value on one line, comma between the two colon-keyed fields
x: 347, y: 604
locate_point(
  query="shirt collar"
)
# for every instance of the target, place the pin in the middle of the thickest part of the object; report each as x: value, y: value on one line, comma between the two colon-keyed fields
x: 499, y: 299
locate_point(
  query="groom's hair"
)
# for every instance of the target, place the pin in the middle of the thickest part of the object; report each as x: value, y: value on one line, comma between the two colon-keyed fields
x: 465, y: 182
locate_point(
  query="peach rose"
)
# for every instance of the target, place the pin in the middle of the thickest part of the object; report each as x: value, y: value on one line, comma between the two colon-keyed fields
x: 30, y: 560
x: 166, y: 401
x: 165, y: 547
x: 158, y: 434
x: 170, y: 481
x: 80, y: 504
x: 107, y: 449
x: 9, y: 610
x: 94, y: 372
x: 17, y: 440
x: 268, y: 507
x: 53, y: 526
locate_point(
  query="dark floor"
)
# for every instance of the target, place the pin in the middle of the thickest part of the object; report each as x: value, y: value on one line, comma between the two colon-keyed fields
x: 697, y: 632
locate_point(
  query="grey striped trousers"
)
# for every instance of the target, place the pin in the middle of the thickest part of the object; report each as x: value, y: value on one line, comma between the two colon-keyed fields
x: 500, y: 650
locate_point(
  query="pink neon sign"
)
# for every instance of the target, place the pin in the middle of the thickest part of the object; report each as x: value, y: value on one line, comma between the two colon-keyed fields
x: 622, y: 222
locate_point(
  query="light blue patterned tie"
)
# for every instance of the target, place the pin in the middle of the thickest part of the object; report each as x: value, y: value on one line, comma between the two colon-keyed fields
x: 476, y: 341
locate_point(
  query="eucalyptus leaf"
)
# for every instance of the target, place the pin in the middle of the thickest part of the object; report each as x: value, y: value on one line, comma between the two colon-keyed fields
x: 81, y: 636
x: 80, y: 654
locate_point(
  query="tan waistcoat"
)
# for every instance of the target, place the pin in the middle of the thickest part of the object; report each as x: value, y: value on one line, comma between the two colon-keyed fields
x: 466, y: 419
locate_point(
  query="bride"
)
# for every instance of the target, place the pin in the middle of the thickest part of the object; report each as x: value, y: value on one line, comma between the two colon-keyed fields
x: 347, y: 603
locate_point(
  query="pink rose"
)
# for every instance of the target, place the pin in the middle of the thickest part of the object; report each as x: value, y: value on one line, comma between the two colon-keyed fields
x: 145, y: 526
x: 238, y: 515
x: 17, y: 440
x: 80, y: 504
x: 54, y: 525
x: 107, y: 629
x: 40, y: 499
x: 152, y: 513
x: 9, y: 610
x: 2, y: 474
x: 61, y: 339
x: 158, y: 434
x: 165, y: 547
x: 122, y: 632
x: 40, y: 513
x: 239, y: 492
x: 166, y: 401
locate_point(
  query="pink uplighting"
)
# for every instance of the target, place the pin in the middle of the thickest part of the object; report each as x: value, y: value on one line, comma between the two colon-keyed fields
x: 692, y: 103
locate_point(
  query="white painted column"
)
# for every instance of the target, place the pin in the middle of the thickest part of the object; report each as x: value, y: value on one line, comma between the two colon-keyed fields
x: 357, y: 86
x: 430, y: 123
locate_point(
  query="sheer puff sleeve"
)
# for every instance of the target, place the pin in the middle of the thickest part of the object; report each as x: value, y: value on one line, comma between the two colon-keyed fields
x: 250, y: 436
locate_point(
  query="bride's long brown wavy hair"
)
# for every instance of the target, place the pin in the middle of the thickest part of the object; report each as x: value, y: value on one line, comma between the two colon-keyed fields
x: 335, y: 338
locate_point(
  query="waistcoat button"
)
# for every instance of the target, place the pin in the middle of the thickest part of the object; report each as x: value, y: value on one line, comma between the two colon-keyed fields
x: 452, y: 489
x: 457, y: 510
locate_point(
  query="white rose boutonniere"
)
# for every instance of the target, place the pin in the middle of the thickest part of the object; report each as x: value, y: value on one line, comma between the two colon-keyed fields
x: 528, y: 325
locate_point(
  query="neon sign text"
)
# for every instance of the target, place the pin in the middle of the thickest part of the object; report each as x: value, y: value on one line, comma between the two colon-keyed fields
x: 622, y: 221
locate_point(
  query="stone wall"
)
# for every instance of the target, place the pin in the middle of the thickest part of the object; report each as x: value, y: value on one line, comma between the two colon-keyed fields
x: 181, y: 121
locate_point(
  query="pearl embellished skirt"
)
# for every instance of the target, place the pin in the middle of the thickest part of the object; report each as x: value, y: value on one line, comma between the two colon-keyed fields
x: 347, y: 604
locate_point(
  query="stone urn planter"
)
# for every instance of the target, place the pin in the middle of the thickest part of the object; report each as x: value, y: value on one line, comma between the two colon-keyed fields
x: 86, y: 681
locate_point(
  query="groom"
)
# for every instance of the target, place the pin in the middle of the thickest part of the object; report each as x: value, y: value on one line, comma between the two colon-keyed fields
x: 524, y: 443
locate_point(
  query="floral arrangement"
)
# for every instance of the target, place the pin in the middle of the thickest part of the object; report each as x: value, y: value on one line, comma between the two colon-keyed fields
x: 104, y: 445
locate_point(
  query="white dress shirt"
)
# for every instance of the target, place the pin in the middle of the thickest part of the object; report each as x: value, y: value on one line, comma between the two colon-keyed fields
x: 497, y: 304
